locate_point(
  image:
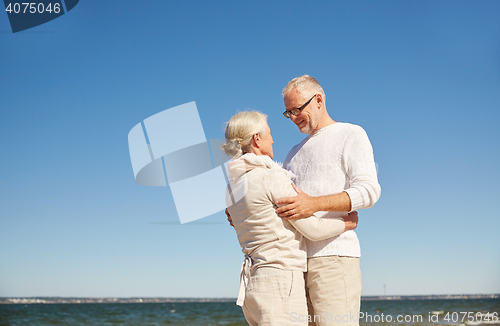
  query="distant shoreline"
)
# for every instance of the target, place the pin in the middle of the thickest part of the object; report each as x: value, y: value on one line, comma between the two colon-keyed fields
x: 82, y: 300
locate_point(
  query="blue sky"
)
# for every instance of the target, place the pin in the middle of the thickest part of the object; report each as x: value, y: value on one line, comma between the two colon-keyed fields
x: 421, y: 77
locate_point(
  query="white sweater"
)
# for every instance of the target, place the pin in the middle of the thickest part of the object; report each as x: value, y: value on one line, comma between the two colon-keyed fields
x: 338, y: 157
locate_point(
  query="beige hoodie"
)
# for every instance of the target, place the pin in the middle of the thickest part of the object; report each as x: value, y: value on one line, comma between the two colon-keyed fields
x: 255, y: 184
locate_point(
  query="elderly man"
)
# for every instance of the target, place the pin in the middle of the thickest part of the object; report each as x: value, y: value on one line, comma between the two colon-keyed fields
x: 335, y: 173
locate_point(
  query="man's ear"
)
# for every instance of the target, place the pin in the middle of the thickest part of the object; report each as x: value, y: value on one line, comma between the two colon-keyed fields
x: 319, y: 100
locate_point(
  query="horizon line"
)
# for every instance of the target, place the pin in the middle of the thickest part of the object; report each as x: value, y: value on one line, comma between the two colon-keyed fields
x: 137, y: 299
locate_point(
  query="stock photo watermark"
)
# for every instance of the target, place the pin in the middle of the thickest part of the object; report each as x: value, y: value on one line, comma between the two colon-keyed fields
x: 170, y: 147
x: 25, y: 15
x: 431, y: 317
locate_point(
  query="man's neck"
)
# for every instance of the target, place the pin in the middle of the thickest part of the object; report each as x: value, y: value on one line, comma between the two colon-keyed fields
x: 323, y: 123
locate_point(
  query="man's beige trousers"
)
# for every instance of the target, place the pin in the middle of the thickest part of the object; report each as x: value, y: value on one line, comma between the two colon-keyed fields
x: 333, y: 286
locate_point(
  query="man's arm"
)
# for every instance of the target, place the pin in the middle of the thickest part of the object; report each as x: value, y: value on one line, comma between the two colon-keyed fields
x: 229, y: 219
x: 364, y: 188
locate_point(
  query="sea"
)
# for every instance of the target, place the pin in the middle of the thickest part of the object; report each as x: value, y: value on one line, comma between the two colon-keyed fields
x: 373, y: 312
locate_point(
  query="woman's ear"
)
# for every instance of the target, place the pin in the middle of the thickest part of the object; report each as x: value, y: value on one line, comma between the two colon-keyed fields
x: 256, y: 140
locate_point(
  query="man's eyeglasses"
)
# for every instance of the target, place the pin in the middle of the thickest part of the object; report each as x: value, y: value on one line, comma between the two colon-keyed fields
x: 297, y: 111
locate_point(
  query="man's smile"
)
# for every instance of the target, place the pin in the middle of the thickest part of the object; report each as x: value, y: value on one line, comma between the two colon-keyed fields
x: 299, y: 124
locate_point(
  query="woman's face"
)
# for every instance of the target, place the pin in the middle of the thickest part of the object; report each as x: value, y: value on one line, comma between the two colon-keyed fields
x: 266, y: 142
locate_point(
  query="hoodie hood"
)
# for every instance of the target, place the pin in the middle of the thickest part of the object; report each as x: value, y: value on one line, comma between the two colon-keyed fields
x: 246, y: 163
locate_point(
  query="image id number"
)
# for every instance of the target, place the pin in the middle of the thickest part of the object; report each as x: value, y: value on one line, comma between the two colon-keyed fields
x: 33, y: 8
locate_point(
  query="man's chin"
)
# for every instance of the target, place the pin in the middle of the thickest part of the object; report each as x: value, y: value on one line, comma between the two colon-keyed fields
x: 304, y: 130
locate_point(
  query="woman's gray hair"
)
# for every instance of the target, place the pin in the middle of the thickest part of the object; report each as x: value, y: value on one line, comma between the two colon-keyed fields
x: 240, y: 130
x: 306, y: 85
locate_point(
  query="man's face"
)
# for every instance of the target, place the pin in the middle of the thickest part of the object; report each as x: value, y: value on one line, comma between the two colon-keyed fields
x: 308, y: 120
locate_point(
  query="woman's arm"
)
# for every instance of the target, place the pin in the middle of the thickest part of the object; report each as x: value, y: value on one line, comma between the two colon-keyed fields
x: 312, y: 227
x: 315, y: 228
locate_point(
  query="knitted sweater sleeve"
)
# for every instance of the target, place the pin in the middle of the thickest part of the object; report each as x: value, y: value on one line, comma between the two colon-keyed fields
x: 314, y: 228
x: 359, y: 164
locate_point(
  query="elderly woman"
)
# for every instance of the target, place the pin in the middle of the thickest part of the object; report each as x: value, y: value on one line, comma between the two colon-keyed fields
x: 272, y: 289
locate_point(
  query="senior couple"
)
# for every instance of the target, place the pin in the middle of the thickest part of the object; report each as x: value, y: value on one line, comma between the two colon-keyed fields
x: 300, y: 218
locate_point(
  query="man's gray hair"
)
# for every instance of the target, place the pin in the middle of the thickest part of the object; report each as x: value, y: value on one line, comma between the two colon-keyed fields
x: 306, y: 85
x: 240, y: 130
